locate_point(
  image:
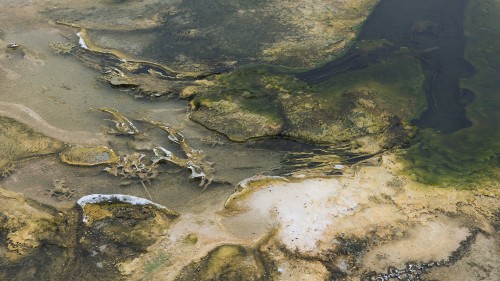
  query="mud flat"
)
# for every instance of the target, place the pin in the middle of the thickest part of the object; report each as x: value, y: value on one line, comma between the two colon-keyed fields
x: 360, y: 207
x: 368, y: 223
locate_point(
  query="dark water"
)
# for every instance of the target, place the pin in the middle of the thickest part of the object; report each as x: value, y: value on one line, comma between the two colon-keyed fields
x: 432, y: 30
x: 213, y: 32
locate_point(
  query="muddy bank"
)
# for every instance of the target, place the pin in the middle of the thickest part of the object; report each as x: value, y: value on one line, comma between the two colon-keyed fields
x: 86, y: 241
x: 358, y: 226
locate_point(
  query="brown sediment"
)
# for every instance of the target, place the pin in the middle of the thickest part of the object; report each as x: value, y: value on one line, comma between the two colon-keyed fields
x: 386, y: 222
x: 26, y: 115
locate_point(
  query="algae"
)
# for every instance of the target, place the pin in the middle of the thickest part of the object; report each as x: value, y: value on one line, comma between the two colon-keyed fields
x: 379, y: 101
x: 227, y: 262
x: 157, y: 263
x: 89, y: 156
x: 468, y: 158
x: 20, y: 142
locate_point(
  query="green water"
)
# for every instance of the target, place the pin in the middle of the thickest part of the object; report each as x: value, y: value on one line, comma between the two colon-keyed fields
x: 469, y: 157
x: 432, y: 32
x: 457, y: 44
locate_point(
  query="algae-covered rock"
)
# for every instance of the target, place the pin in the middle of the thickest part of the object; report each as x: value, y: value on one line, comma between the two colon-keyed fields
x: 227, y: 262
x: 19, y: 142
x: 23, y: 226
x: 126, y: 224
x: 36, y: 241
x: 241, y: 104
x: 369, y: 109
x: 89, y: 156
x: 237, y: 123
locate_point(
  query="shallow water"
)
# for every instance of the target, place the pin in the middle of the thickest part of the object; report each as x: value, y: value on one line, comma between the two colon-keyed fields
x: 433, y: 31
x: 58, y: 95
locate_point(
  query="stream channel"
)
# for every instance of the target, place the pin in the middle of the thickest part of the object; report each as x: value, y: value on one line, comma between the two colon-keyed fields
x: 433, y: 31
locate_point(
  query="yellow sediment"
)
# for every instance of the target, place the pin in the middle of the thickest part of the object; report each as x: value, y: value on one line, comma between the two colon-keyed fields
x: 88, y: 156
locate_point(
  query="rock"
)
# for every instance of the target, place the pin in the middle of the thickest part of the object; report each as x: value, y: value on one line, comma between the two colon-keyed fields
x: 36, y: 241
x: 191, y: 239
x: 189, y: 92
x: 237, y: 123
x: 19, y: 141
x: 89, y: 156
x: 227, y: 262
x: 126, y: 224
x: 61, y: 48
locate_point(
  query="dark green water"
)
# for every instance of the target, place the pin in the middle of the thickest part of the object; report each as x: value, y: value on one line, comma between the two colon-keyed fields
x: 213, y: 32
x: 458, y: 143
x: 433, y: 32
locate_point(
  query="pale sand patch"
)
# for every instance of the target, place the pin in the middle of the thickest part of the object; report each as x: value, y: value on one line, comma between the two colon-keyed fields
x: 310, y: 213
x: 396, y: 221
x: 302, y: 210
x: 480, y: 264
x: 433, y: 241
